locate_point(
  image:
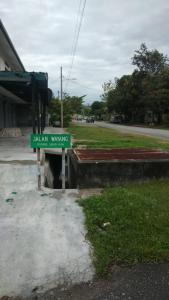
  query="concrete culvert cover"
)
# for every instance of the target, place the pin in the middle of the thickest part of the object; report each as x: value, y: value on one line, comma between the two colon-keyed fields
x: 42, y: 235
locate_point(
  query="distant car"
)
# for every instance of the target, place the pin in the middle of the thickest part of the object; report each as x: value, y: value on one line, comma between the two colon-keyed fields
x: 118, y: 119
x: 90, y: 120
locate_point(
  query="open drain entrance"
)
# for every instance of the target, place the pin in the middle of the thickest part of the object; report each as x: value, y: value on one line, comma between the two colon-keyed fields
x: 53, y: 171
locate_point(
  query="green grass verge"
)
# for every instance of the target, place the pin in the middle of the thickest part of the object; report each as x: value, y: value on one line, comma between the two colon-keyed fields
x: 137, y: 230
x: 95, y: 137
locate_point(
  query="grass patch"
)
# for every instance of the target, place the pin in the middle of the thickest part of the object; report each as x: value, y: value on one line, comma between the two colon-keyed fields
x: 126, y: 224
x: 137, y: 229
x: 95, y: 137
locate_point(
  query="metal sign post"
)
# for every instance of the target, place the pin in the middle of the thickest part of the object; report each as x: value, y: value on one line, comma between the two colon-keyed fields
x: 63, y: 168
x: 38, y: 169
x: 62, y: 141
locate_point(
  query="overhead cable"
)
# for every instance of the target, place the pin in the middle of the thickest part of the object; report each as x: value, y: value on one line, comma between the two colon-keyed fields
x: 77, y: 33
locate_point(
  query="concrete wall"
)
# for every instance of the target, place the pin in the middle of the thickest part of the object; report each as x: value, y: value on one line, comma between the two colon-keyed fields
x: 92, y: 174
x: 23, y: 116
x: 7, y: 110
x: 13, y: 115
x: 1, y: 115
x: 7, y: 114
x: 2, y: 64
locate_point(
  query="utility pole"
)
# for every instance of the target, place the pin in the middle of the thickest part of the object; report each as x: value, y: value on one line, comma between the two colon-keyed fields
x: 63, y: 150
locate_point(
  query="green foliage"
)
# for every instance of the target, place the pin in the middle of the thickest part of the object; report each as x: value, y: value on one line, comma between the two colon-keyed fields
x: 129, y: 224
x: 98, y: 109
x: 144, y: 92
x: 86, y: 111
x: 151, y: 62
x: 54, y: 110
x: 75, y: 103
x: 71, y: 105
x: 156, y: 93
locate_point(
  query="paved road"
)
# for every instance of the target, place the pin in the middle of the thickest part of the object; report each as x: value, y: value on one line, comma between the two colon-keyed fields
x: 140, y: 282
x: 159, y: 133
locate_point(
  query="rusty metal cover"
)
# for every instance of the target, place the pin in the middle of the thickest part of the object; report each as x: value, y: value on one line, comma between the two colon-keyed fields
x: 120, y: 154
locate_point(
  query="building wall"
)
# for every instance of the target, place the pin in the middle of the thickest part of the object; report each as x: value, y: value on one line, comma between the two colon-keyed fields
x: 3, y: 65
x: 23, y: 116
x: 7, y: 109
x: 1, y: 115
x: 7, y: 114
x: 13, y: 115
x: 9, y: 61
x: 10, y: 115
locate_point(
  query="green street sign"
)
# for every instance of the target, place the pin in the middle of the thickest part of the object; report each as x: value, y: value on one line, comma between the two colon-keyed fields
x: 51, y: 140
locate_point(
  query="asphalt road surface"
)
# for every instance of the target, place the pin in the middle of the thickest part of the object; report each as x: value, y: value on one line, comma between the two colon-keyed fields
x: 140, y: 282
x: 158, y: 133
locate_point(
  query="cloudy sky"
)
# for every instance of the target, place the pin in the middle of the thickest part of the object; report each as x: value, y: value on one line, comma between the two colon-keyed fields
x: 43, y: 32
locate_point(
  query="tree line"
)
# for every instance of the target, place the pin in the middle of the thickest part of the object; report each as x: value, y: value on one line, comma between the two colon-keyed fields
x: 71, y: 105
x: 142, y: 96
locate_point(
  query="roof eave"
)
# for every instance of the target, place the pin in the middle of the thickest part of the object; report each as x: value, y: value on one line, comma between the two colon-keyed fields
x: 11, y: 45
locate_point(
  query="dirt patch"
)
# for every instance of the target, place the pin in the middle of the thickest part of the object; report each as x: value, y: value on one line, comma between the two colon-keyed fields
x: 85, y: 193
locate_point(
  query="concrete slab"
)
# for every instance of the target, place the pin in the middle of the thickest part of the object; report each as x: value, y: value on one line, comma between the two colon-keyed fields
x: 54, y: 130
x: 17, y: 148
x: 42, y: 235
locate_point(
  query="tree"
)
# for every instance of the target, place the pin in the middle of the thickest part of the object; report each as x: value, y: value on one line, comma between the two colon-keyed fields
x: 98, y: 109
x: 86, y: 111
x: 124, y: 99
x: 76, y: 103
x: 54, y: 110
x: 71, y: 105
x: 149, y: 61
x: 156, y: 94
x: 145, y: 91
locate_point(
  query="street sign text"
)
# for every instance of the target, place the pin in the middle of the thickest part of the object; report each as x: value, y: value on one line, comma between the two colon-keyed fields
x: 51, y: 140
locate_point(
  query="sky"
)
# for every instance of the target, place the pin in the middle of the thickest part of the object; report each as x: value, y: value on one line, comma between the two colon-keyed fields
x: 43, y: 32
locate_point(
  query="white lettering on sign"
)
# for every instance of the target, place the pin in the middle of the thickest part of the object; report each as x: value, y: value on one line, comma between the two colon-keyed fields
x: 40, y: 138
x: 59, y: 139
x: 44, y: 139
x: 50, y: 141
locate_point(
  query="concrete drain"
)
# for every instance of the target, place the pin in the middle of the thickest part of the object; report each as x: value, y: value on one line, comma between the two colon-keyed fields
x: 98, y: 168
x: 52, y: 171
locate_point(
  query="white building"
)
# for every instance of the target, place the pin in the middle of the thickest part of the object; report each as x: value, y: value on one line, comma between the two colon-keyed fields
x: 9, y: 61
x: 24, y: 96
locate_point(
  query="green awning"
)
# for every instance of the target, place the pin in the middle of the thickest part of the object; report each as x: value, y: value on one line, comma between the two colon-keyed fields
x: 39, y: 77
x: 20, y: 84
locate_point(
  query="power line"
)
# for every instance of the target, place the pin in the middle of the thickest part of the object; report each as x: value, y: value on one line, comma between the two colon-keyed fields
x: 74, y: 48
x: 76, y: 26
x: 84, y: 86
x: 77, y: 37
